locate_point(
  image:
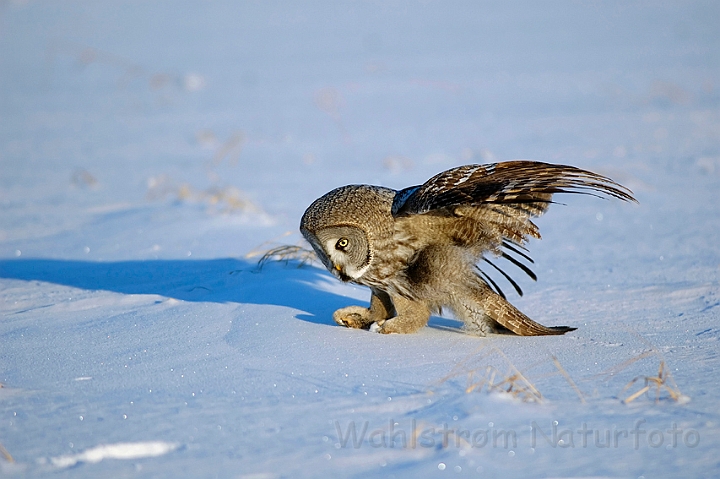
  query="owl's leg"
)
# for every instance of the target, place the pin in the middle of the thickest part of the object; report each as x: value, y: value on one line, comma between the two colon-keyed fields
x: 381, y: 308
x: 482, y: 309
x: 475, y: 320
x: 411, y: 316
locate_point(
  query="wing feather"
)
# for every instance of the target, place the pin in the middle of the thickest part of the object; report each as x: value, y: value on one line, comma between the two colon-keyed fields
x: 524, y: 184
x: 486, y: 208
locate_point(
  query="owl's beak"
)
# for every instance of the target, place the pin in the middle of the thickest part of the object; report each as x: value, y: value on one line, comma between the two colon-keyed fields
x: 341, y: 274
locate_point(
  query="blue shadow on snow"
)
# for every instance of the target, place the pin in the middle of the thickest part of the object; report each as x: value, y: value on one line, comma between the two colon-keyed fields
x: 215, y: 280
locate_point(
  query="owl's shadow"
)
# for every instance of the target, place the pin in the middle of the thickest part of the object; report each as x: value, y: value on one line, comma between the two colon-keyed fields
x: 225, y: 280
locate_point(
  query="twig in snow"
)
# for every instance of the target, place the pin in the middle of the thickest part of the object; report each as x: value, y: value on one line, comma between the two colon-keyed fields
x: 287, y: 253
x: 663, y: 381
x: 513, y: 382
x: 568, y: 379
x: 6, y: 454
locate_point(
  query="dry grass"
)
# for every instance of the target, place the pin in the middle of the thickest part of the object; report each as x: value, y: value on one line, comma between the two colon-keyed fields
x: 83, y: 178
x: 662, y: 382
x: 226, y: 199
x: 619, y: 367
x: 506, y: 379
x: 6, y: 454
x: 230, y: 150
x: 491, y: 379
x: 286, y: 254
x: 128, y: 70
x: 298, y: 253
x: 568, y: 379
x: 510, y: 380
x: 218, y: 198
x: 331, y: 101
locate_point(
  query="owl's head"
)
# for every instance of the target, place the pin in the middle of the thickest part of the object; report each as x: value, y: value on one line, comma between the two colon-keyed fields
x: 342, y: 225
x: 344, y: 250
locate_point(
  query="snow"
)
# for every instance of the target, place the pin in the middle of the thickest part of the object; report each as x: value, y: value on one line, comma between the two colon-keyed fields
x: 150, y: 150
x: 115, y: 451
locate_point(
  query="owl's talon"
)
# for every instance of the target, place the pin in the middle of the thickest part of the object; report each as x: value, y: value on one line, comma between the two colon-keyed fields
x: 350, y: 321
x: 376, y: 328
x: 355, y: 317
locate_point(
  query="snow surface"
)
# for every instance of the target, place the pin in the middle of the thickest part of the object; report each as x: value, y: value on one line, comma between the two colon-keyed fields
x: 115, y: 451
x: 147, y: 148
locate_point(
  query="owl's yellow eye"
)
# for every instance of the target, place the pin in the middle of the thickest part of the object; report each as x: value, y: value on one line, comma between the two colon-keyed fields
x: 342, y: 243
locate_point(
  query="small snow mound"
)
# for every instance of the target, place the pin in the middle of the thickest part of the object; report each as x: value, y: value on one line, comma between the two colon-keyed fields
x: 121, y: 450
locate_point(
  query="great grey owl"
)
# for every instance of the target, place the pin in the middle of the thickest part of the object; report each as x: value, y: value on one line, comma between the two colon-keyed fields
x: 418, y: 249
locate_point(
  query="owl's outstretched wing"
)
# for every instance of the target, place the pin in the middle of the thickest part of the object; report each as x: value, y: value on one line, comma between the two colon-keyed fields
x: 487, y: 208
x: 508, y: 183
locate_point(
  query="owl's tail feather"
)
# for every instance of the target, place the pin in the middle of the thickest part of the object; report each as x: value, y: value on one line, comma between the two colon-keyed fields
x: 486, y: 308
x: 508, y: 316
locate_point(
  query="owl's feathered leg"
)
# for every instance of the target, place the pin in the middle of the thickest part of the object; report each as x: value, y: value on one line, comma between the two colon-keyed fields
x: 381, y: 308
x: 483, y: 308
x: 411, y: 316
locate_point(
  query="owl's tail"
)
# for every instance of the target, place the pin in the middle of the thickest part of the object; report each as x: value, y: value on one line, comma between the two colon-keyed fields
x: 481, y: 310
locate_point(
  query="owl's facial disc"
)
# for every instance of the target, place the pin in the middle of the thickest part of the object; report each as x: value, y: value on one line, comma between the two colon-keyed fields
x: 347, y: 250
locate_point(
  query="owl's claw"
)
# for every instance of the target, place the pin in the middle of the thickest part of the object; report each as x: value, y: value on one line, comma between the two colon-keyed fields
x: 355, y: 317
x: 376, y: 327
